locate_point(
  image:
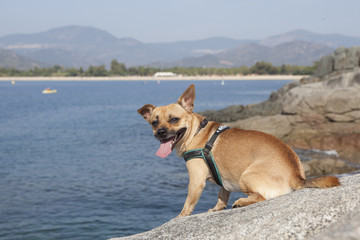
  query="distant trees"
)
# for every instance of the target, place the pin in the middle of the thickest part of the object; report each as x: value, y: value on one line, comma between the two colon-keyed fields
x: 265, y: 68
x: 119, y: 69
x: 96, y: 71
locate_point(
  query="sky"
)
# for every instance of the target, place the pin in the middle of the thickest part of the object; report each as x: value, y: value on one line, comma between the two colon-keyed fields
x: 174, y: 20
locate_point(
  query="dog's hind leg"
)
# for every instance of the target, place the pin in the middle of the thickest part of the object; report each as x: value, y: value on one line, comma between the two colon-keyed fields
x: 252, y: 183
x: 260, y: 186
x: 223, y: 199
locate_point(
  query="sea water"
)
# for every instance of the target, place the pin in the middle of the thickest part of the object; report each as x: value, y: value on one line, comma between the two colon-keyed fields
x: 81, y: 163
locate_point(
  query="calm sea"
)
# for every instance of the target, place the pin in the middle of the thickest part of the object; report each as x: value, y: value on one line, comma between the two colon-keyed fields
x: 81, y: 164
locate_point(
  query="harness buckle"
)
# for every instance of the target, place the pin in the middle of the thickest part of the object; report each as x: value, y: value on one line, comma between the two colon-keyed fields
x: 208, y: 147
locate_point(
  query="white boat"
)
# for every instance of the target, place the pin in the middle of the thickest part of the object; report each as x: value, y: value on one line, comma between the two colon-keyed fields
x: 49, y: 91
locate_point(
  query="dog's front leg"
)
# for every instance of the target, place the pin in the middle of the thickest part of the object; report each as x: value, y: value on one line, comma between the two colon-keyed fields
x: 223, y: 199
x: 198, y: 173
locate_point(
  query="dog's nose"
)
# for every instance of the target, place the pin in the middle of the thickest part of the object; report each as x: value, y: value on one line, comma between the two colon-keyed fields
x: 162, y: 132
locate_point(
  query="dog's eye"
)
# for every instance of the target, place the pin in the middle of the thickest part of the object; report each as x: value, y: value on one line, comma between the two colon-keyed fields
x: 155, y: 123
x: 174, y: 120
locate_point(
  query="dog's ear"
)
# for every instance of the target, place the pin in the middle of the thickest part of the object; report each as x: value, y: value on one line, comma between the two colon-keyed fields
x: 187, y: 98
x: 146, y: 111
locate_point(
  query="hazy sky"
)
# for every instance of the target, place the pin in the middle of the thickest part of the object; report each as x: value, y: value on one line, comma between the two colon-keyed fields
x: 172, y: 20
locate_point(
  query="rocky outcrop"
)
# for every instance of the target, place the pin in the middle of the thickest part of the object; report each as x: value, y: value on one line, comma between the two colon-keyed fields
x: 270, y: 107
x: 343, y: 59
x: 321, y: 112
x: 322, y: 115
x: 332, y: 213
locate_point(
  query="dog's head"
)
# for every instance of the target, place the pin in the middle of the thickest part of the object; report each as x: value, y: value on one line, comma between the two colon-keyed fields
x: 171, y: 124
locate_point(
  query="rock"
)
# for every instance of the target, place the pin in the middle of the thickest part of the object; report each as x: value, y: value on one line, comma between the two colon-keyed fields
x: 322, y: 111
x: 346, y: 229
x: 346, y: 58
x: 326, y: 66
x: 322, y: 115
x: 327, y: 166
x: 306, y: 98
x: 276, y: 125
x: 228, y: 114
x: 332, y: 213
x: 339, y: 95
x: 272, y: 106
x: 343, y: 59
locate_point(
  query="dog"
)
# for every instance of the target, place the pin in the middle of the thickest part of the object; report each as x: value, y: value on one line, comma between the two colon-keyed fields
x: 256, y: 163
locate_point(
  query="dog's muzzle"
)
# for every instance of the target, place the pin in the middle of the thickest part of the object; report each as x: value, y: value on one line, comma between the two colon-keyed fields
x: 162, y: 134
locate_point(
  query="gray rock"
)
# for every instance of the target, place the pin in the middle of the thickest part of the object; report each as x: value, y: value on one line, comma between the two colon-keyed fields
x: 331, y: 71
x: 343, y: 59
x: 346, y: 58
x: 337, y: 98
x: 346, y: 229
x: 321, y: 115
x: 321, y: 112
x: 340, y: 58
x: 327, y: 166
x: 332, y: 213
x: 272, y: 106
x: 326, y: 66
x: 342, y: 101
x: 277, y: 125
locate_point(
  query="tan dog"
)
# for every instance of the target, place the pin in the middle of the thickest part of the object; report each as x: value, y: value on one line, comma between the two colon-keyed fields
x: 256, y: 163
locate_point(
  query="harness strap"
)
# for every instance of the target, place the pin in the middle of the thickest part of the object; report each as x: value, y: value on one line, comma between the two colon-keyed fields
x: 203, y: 124
x: 205, y: 153
x: 196, y: 153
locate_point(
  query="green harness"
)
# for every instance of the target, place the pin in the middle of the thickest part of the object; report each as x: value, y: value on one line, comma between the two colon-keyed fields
x: 205, y: 153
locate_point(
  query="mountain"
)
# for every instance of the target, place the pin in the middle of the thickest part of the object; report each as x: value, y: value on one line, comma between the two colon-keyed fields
x: 298, y: 47
x: 331, y: 40
x: 62, y: 57
x: 75, y: 46
x: 70, y: 46
x: 293, y: 53
x: 78, y: 46
x: 82, y: 39
x: 182, y: 49
x: 9, y: 59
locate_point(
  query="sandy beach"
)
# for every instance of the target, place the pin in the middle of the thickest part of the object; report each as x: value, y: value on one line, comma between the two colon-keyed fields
x: 151, y: 78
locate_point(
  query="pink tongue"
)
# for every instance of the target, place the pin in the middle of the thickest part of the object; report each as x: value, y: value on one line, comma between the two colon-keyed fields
x: 164, y: 150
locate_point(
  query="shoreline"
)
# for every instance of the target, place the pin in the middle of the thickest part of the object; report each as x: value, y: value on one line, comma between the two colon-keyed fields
x: 152, y: 78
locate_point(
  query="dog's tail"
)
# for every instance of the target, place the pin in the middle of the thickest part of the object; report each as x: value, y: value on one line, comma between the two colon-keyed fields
x: 322, y: 182
x: 318, y: 182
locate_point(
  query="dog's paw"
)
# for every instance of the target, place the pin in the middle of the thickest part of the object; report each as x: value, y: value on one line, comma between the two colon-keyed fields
x: 216, y: 209
x: 183, y: 215
x: 236, y: 205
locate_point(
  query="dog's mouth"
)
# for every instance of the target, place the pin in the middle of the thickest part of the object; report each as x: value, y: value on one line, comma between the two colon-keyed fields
x: 167, y: 145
